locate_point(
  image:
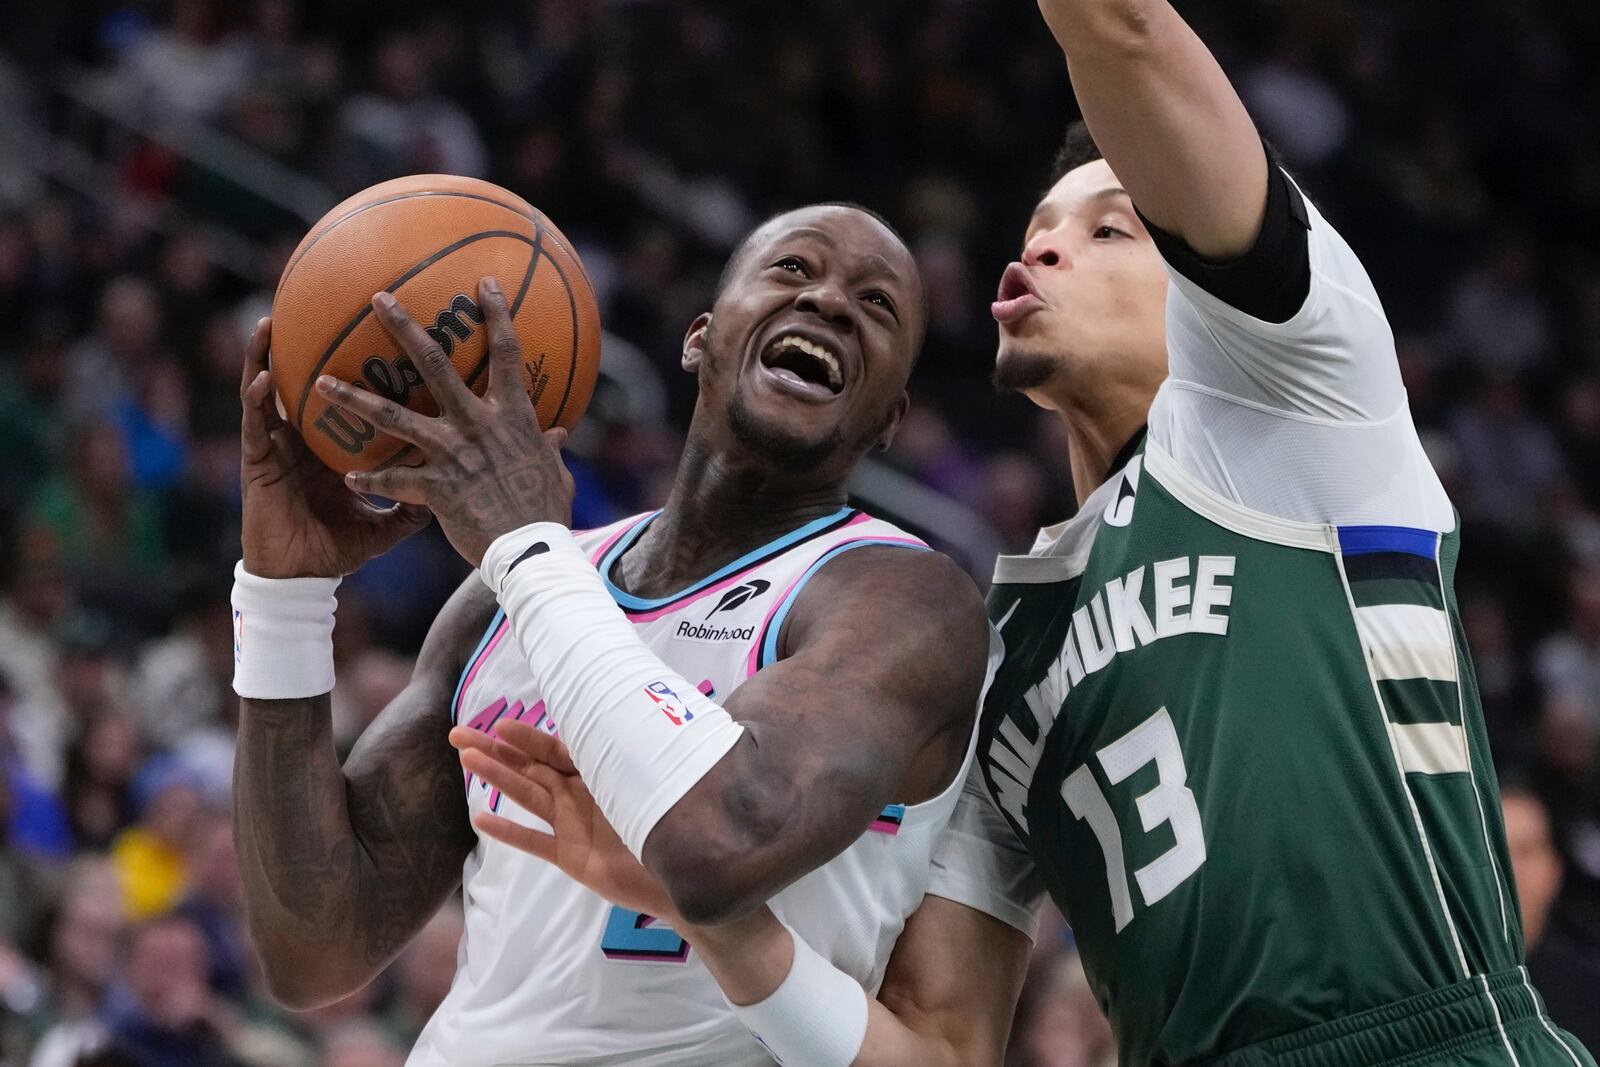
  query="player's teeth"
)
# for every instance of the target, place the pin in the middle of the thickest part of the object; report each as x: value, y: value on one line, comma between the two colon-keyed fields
x: 833, y: 368
x: 817, y: 352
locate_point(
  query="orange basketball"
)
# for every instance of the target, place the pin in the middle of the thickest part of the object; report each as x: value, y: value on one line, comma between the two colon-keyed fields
x: 427, y: 240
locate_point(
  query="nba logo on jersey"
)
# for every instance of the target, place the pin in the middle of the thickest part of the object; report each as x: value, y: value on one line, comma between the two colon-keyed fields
x: 670, y: 703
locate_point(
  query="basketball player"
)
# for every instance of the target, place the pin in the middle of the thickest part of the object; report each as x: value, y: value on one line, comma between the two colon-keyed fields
x: 749, y: 667
x: 1236, y: 731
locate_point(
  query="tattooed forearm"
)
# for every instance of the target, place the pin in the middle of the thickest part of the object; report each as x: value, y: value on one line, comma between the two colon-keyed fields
x: 409, y: 811
x: 342, y: 865
x: 288, y: 790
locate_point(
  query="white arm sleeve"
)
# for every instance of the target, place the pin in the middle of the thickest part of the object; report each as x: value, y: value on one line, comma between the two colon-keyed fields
x: 978, y: 861
x: 1305, y: 419
x: 641, y: 735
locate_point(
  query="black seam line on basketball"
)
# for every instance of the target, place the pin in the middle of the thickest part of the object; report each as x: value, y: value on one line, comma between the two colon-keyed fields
x: 572, y: 363
x: 298, y: 256
x: 516, y: 305
x: 527, y: 281
x: 522, y: 293
x: 746, y: 569
x: 538, y: 548
x: 305, y: 397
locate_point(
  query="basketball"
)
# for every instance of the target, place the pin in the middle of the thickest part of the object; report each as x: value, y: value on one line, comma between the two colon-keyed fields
x: 427, y: 239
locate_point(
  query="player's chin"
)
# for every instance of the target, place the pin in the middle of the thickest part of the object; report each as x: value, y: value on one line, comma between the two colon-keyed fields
x: 792, y: 435
x: 1022, y: 366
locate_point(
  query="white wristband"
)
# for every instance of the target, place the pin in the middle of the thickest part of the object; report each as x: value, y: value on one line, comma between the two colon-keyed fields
x: 639, y: 732
x: 816, y: 1018
x: 282, y: 636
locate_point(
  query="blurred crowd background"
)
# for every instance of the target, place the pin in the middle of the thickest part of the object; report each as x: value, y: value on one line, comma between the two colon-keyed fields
x: 158, y: 161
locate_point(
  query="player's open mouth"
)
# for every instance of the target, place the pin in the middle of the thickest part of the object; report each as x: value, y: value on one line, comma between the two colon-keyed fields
x: 806, y: 366
x: 1017, y: 297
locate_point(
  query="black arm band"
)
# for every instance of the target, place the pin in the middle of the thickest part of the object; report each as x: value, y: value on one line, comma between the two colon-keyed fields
x: 1272, y: 280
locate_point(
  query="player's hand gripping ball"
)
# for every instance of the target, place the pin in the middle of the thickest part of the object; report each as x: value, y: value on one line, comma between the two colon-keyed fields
x: 427, y: 240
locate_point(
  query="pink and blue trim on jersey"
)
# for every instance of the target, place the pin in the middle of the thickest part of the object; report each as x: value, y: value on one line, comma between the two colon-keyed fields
x: 499, y: 626
x: 645, y: 609
x: 765, y: 650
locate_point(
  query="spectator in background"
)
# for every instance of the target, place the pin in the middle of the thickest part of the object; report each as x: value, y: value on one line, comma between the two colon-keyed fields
x: 402, y: 127
x: 171, y: 1018
x: 36, y: 597
x: 1568, y: 669
x: 83, y: 944
x: 423, y: 973
x: 1013, y: 499
x: 188, y: 69
x: 1535, y: 864
x: 1580, y: 429
x: 188, y: 284
x: 183, y: 683
x: 150, y: 856
x: 101, y: 765
x: 362, y: 1045
x: 1498, y: 315
x: 107, y: 527
x: 30, y: 430
x: 33, y: 827
x: 1509, y: 459
x: 215, y: 904
x: 102, y: 367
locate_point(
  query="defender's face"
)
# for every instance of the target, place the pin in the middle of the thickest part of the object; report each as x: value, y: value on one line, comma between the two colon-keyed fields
x: 810, y: 344
x: 1089, y: 291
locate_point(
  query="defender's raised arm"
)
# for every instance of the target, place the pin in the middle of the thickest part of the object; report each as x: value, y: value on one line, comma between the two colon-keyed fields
x: 1170, y: 124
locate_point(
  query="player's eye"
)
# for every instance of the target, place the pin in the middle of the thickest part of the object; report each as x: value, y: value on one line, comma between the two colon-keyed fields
x: 881, y: 299
x: 1106, y: 232
x: 794, y: 265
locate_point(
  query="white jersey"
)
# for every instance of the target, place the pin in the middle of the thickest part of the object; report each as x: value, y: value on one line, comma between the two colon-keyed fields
x: 550, y: 973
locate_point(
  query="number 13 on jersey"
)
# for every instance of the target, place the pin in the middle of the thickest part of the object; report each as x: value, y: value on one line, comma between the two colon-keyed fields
x: 1171, y: 802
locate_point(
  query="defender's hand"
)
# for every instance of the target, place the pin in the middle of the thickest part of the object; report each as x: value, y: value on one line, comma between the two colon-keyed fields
x: 486, y: 468
x: 299, y: 519
x: 533, y: 769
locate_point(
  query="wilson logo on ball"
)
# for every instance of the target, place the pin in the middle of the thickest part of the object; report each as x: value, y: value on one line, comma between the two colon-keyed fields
x: 396, y: 379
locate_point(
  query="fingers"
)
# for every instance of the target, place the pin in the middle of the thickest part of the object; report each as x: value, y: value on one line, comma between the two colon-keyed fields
x: 255, y: 352
x: 397, y: 523
x: 382, y: 412
x: 463, y: 738
x: 517, y: 785
x: 255, y: 440
x: 557, y: 438
x: 526, y: 838
x: 505, y: 350
x: 536, y: 745
x: 431, y: 360
x: 404, y: 485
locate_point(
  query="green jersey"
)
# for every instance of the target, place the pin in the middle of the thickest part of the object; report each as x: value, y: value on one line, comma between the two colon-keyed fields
x: 1236, y: 728
x: 1247, y: 759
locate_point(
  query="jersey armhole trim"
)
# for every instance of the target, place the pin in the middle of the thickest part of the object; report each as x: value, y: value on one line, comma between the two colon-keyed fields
x: 491, y: 637
x: 765, y: 650
x: 1208, y: 504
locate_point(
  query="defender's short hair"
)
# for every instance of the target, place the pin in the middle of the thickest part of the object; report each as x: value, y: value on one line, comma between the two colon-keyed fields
x: 1077, y: 148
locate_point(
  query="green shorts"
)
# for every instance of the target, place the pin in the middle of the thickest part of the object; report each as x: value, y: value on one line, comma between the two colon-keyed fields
x: 1494, y: 1020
